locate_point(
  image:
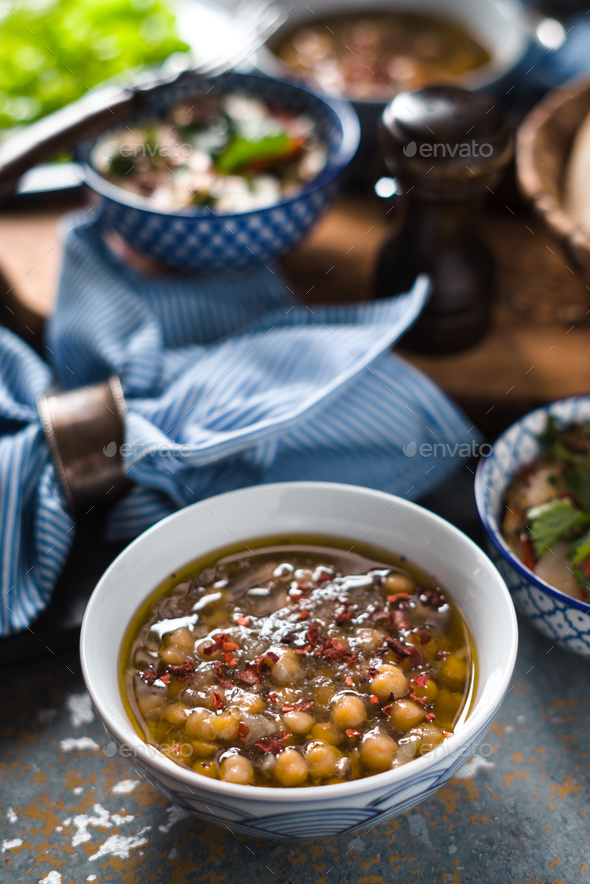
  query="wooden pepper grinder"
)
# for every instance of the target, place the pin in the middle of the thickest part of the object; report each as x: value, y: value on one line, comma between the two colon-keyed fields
x: 446, y: 148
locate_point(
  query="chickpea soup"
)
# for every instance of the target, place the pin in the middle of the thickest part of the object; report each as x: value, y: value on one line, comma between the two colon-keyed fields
x: 297, y: 662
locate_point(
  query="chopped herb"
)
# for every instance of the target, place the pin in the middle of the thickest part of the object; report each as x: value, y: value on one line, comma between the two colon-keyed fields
x: 552, y: 520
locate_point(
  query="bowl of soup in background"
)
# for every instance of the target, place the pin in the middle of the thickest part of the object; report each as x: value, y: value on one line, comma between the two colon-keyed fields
x: 500, y: 28
x: 309, y: 508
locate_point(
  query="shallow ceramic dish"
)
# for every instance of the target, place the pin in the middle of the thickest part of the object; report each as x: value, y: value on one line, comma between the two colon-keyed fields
x: 561, y: 618
x: 198, y: 238
x: 325, y: 509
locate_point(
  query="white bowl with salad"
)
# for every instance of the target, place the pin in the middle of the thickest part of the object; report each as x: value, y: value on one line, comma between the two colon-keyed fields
x: 533, y: 498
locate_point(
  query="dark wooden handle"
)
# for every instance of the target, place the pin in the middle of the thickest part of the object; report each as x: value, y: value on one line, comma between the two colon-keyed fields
x: 60, y: 130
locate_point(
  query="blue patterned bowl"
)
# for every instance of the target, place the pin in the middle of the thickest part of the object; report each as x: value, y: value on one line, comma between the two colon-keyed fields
x: 286, y: 509
x: 197, y: 238
x: 558, y: 616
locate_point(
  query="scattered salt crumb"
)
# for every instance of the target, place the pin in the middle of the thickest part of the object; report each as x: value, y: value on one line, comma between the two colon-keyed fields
x: 175, y: 814
x: 98, y: 819
x: 11, y: 816
x: 9, y: 845
x: 174, y: 854
x: 80, y: 709
x: 78, y: 744
x: 121, y: 847
x: 59, y: 828
x: 453, y: 848
x: 77, y: 790
x: 520, y: 719
x: 51, y: 878
x: 91, y: 878
x: 508, y: 729
x: 356, y: 843
x: 418, y: 829
x: 46, y: 716
x: 124, y: 787
x: 472, y: 766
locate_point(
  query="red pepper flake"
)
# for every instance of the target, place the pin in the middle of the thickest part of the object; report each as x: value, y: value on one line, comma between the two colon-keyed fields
x: 387, y: 710
x: 149, y: 675
x: 285, y: 734
x: 400, y: 650
x: 176, y: 749
x: 223, y: 679
x: 398, y: 597
x: 302, y: 650
x: 586, y: 567
x: 243, y: 621
x: 303, y: 615
x: 443, y: 654
x: 165, y: 679
x: 222, y: 643
x: 299, y: 706
x: 368, y: 676
x: 354, y: 659
x: 217, y: 701
x: 447, y: 734
x: 422, y: 700
x: 352, y: 733
x: 378, y: 615
x: 271, y: 745
x: 229, y: 658
x: 415, y: 657
x: 421, y: 680
x: 243, y: 730
x: 343, y: 616
x: 349, y: 681
x: 183, y: 672
x: 373, y: 698
x: 423, y: 635
x: 432, y: 597
x: 430, y: 716
x: 273, y: 697
x: 399, y: 620
x: 250, y: 675
x: 312, y: 633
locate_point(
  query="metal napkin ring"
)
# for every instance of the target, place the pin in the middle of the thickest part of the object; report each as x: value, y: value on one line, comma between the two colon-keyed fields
x: 84, y: 430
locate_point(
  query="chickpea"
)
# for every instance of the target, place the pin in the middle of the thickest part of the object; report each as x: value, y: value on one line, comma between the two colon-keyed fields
x: 327, y: 732
x: 175, y: 714
x: 247, y: 702
x: 369, y: 639
x: 348, y: 711
x: 182, y: 638
x: 427, y: 691
x: 203, y: 749
x: 323, y: 693
x: 377, y: 750
x: 298, y: 722
x: 199, y: 725
x: 453, y: 672
x: 322, y: 759
x: 390, y: 680
x: 428, y: 736
x: 288, y: 668
x: 237, y: 769
x: 152, y: 706
x: 447, y: 703
x: 399, y: 583
x: 406, y: 714
x: 173, y: 655
x: 206, y: 769
x: 224, y: 726
x: 291, y: 768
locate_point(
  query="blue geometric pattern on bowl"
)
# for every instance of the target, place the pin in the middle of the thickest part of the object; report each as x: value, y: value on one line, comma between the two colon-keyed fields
x: 319, y: 818
x: 561, y: 618
x: 198, y: 238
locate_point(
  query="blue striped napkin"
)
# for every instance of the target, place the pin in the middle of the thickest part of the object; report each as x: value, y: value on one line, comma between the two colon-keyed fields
x: 228, y: 382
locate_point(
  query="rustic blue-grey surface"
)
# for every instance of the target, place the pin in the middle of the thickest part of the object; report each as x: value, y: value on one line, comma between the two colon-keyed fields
x: 517, y: 812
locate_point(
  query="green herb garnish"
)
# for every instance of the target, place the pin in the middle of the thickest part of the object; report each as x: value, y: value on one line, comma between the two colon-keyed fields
x: 549, y: 521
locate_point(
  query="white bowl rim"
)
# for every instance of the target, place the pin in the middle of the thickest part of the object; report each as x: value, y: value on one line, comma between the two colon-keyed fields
x: 473, y: 723
x: 494, y: 535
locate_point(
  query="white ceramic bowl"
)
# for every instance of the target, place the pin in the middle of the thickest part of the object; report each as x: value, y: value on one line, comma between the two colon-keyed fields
x: 310, y: 508
x: 558, y: 616
x: 500, y: 26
